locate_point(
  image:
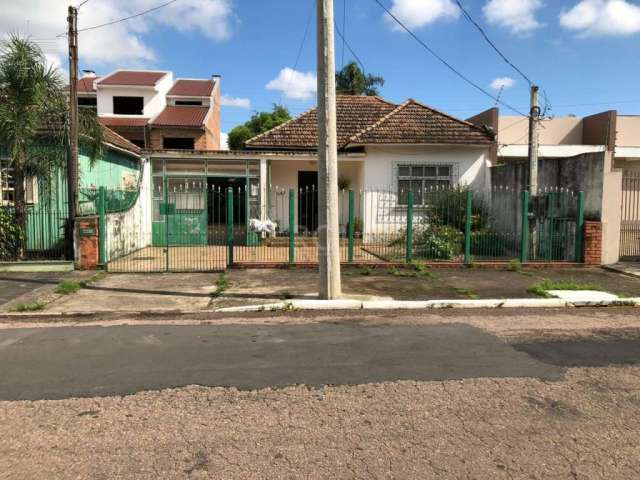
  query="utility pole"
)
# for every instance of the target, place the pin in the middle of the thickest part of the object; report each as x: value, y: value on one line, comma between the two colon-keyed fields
x: 72, y: 158
x: 534, y: 118
x: 329, y: 240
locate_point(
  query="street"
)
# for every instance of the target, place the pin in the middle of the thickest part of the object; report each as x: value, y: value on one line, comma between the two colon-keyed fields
x: 473, y: 394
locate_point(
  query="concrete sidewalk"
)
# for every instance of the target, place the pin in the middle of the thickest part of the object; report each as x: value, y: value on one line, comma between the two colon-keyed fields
x: 264, y: 289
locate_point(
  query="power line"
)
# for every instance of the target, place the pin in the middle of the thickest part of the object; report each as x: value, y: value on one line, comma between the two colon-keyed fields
x: 124, y: 19
x: 349, y: 47
x: 344, y: 27
x: 300, y: 49
x: 81, y: 4
x: 493, y: 45
x: 444, y: 62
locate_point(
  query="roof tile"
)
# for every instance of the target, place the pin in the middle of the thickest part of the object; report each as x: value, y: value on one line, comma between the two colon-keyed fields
x: 133, y: 78
x: 181, y: 116
x: 363, y: 119
x: 192, y: 88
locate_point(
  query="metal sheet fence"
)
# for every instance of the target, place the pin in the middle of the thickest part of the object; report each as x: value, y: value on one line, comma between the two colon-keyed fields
x: 44, y: 237
x: 200, y: 227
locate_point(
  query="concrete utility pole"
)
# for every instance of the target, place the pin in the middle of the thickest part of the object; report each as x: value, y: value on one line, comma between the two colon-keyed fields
x: 534, y: 118
x: 329, y: 240
x: 72, y: 159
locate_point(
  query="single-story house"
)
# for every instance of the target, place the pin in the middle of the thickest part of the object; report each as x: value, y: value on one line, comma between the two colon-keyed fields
x: 384, y: 151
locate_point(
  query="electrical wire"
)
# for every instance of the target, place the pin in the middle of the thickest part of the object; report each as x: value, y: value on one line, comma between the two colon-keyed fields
x: 300, y: 49
x: 444, y: 62
x: 493, y: 45
x: 344, y: 28
x: 355, y: 55
x: 81, y: 4
x: 124, y: 19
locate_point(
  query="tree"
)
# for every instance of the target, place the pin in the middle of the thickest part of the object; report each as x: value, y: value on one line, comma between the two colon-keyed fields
x: 259, y: 123
x: 351, y: 80
x: 34, y: 120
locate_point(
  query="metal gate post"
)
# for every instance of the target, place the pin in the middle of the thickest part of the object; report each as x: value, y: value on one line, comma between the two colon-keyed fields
x: 229, y: 226
x: 409, y: 244
x: 524, y: 230
x: 579, y: 228
x: 467, y: 227
x: 165, y: 190
x: 102, y: 225
x: 352, y: 219
x: 292, y: 227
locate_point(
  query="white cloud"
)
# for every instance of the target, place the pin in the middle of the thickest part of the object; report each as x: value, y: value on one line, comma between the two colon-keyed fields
x: 502, y: 82
x: 516, y: 15
x: 224, y: 141
x: 226, y: 101
x: 602, y: 17
x: 418, y: 13
x: 122, y: 44
x: 294, y: 84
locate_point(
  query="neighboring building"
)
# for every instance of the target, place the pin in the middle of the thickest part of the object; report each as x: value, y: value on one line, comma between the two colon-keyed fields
x: 154, y: 111
x: 564, y: 137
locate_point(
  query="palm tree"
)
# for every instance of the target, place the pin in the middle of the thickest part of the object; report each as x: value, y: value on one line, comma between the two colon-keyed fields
x: 34, y: 120
x: 351, y: 80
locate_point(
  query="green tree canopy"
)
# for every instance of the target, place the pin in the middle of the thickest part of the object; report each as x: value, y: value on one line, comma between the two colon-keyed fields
x: 351, y: 80
x: 259, y: 123
x: 34, y: 118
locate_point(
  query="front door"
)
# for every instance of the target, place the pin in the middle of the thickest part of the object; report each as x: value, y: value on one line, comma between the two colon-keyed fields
x: 307, y: 202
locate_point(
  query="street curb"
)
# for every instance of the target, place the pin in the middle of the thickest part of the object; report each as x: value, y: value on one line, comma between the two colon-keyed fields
x: 343, y: 304
x: 427, y: 305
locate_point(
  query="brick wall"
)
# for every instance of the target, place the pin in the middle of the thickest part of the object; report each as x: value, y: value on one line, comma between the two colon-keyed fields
x: 213, y: 122
x: 87, y: 240
x: 592, y: 243
x: 157, y: 134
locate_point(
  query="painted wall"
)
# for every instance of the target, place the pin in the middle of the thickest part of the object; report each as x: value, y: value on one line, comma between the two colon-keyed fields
x: 628, y: 134
x: 284, y: 176
x: 380, y: 210
x: 131, y: 230
x: 557, y: 131
x: 154, y: 97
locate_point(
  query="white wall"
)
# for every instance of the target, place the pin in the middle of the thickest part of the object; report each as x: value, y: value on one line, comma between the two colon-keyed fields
x: 380, y: 211
x: 131, y: 230
x: 284, y: 176
x: 155, y: 98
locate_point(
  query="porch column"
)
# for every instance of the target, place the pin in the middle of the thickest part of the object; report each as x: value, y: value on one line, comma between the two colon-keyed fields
x: 264, y: 177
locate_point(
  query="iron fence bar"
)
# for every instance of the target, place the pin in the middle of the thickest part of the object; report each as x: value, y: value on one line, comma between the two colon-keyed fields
x: 524, y: 228
x: 230, y: 226
x: 352, y: 218
x: 292, y: 226
x: 409, y: 245
x: 579, y: 228
x: 467, y: 227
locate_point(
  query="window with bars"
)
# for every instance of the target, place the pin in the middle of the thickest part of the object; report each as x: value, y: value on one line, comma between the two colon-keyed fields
x: 420, y: 179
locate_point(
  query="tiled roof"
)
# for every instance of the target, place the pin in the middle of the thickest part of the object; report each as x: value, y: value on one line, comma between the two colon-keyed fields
x: 123, y: 121
x: 192, y: 88
x: 363, y: 119
x: 354, y: 113
x: 181, y: 116
x: 111, y: 137
x: 85, y: 84
x: 415, y: 123
x: 133, y: 78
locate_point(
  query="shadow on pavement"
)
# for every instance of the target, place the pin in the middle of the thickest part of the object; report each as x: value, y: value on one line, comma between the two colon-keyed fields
x: 584, y: 353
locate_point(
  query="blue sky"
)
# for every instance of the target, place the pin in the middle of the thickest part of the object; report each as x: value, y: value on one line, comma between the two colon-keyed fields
x: 583, y: 53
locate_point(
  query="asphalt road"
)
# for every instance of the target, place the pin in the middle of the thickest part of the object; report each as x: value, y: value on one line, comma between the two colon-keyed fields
x: 57, y: 363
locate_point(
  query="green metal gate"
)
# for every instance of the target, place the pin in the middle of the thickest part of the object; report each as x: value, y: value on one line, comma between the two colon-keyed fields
x: 630, y: 224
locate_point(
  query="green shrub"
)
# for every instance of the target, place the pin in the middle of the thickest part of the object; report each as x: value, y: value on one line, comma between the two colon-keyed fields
x: 11, y: 237
x: 437, y: 242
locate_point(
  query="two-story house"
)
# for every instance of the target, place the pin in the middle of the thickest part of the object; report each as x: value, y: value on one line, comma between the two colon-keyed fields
x: 154, y: 111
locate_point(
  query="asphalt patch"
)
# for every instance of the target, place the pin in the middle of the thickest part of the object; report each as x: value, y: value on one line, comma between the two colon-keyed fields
x: 56, y: 363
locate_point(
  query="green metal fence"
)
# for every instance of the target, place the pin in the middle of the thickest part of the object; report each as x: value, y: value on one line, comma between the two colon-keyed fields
x: 44, y: 237
x: 198, y: 227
